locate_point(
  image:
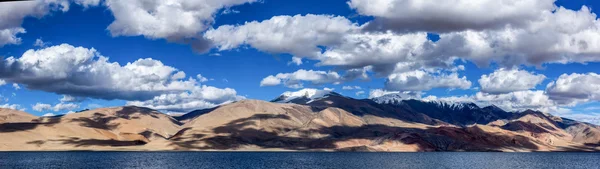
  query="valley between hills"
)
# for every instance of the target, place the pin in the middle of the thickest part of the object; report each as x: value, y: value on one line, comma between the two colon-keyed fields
x: 307, y: 120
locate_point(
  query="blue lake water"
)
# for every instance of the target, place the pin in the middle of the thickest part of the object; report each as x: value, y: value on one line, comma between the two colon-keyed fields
x: 296, y: 160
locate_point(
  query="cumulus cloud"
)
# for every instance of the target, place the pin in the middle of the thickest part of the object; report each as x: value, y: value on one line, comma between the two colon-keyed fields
x: 562, y: 36
x: 333, y: 40
x: 554, y: 35
x: 420, y: 80
x: 296, y: 60
x: 40, y: 43
x: 178, y: 21
x: 79, y: 73
x: 447, y: 16
x: 360, y: 93
x: 200, y: 97
x: 58, y: 107
x: 201, y: 78
x: 574, y: 88
x: 13, y: 14
x: 509, y: 80
x: 295, y: 80
x: 16, y: 86
x: 593, y: 118
x: 11, y: 106
x: 69, y: 98
x: 282, y: 34
x: 351, y: 88
x: 87, y: 3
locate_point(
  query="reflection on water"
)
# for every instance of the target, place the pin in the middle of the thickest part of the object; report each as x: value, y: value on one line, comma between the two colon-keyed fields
x: 296, y: 160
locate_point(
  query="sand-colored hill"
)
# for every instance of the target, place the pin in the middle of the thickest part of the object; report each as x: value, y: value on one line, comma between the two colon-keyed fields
x: 15, y: 116
x: 105, y: 128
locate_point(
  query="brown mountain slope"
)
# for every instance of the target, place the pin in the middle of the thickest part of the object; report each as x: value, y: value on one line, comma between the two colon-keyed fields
x: 258, y: 125
x: 106, y: 128
x: 15, y: 116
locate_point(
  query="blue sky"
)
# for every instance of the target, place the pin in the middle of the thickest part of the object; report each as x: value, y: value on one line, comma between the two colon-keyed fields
x: 242, y: 68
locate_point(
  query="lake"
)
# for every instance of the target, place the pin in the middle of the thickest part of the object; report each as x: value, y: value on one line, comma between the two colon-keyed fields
x: 296, y: 160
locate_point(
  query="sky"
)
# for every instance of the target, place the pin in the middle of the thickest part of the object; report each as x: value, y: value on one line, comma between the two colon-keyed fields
x: 62, y: 56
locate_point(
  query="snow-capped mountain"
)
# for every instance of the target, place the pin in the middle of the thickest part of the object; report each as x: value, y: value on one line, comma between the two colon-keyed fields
x: 454, y: 105
x: 303, y: 96
x: 448, y: 111
x: 393, y: 98
x: 398, y: 98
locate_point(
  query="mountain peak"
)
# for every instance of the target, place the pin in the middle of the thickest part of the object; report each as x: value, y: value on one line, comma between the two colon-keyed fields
x: 455, y: 104
x: 303, y: 96
x: 392, y: 98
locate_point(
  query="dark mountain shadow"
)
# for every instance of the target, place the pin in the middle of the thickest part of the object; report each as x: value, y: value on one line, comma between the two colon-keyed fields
x: 238, y: 133
x: 465, y: 114
x: 128, y: 111
x: 369, y: 107
x: 193, y: 114
x: 15, y: 127
x: 529, y: 127
x: 97, y: 121
x: 77, y: 142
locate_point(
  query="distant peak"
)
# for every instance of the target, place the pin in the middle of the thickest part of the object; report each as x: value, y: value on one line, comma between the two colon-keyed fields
x: 455, y: 104
x: 392, y: 98
x: 303, y: 96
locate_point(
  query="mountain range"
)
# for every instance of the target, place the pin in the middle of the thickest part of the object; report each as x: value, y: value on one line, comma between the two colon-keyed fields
x: 308, y: 120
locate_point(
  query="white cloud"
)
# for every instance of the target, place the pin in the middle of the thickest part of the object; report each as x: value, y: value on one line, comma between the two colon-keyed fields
x: 87, y: 3
x: 2, y: 82
x: 574, y: 88
x: 9, y: 36
x: 548, y: 35
x: 78, y: 71
x: 41, y: 107
x: 509, y: 80
x: 295, y: 80
x: 333, y: 40
x: 16, y: 86
x: 420, y: 80
x: 13, y: 14
x: 58, y: 107
x: 200, y: 97
x: 360, y: 93
x: 296, y: 60
x: 593, y: 118
x: 69, y: 98
x: 201, y: 78
x: 11, y: 106
x: 351, y: 88
x: 282, y: 34
x: 270, y: 81
x: 445, y: 16
x: 519, y: 100
x: 40, y: 43
x: 563, y: 36
x: 178, y: 20
x: 48, y: 115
